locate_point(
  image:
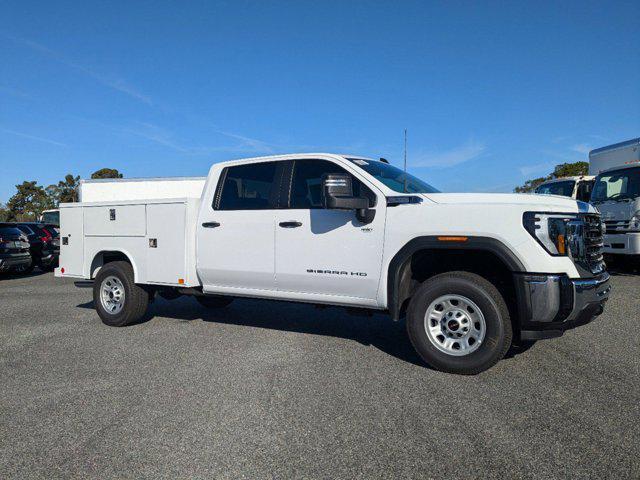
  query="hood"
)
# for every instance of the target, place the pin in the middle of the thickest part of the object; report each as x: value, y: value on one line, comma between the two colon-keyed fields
x: 552, y: 203
x: 620, y: 211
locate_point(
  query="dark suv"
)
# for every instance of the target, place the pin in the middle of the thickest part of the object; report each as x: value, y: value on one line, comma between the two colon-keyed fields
x: 14, y: 249
x: 45, y: 246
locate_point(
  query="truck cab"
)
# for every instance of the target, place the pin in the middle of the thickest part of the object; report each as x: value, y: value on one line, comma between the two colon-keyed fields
x: 578, y: 188
x: 616, y: 194
x: 469, y: 273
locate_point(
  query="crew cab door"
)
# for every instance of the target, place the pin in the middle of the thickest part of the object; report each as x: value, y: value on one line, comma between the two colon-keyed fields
x: 320, y: 252
x: 235, y: 251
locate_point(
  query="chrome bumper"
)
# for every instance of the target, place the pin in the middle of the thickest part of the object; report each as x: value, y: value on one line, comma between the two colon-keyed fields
x: 551, y: 304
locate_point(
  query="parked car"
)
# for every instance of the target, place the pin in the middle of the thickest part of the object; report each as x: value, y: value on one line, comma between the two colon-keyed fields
x: 45, y: 246
x: 14, y: 249
x: 470, y: 272
x: 578, y: 188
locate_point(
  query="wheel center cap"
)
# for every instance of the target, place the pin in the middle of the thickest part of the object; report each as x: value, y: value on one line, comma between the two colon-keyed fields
x: 453, y: 325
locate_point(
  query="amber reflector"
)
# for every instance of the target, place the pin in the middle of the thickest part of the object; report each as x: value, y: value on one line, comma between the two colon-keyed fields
x: 453, y: 239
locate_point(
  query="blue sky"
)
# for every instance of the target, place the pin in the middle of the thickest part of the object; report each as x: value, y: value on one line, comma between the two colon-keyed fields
x: 491, y: 93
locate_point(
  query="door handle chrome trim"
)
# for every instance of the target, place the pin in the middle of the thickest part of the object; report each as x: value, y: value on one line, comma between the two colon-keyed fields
x: 211, y: 224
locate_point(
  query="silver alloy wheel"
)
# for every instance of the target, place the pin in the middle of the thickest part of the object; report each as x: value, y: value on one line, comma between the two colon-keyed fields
x: 455, y: 325
x: 112, y: 295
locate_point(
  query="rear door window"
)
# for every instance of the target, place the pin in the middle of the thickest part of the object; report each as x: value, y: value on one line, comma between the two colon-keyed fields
x: 248, y: 187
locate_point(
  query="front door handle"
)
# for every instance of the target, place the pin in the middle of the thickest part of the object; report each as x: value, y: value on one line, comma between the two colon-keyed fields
x: 211, y: 224
x: 290, y: 224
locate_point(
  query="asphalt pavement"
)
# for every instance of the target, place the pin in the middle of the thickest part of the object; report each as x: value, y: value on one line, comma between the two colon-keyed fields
x: 274, y: 390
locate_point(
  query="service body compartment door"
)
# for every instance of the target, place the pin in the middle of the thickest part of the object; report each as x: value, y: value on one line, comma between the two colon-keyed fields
x: 115, y: 220
x: 166, y: 249
x: 71, y: 241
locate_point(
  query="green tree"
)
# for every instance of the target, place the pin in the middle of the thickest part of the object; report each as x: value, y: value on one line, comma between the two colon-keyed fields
x: 571, y: 169
x: 65, y: 191
x: 106, y: 173
x: 28, y: 202
x: 4, y: 213
x: 563, y: 170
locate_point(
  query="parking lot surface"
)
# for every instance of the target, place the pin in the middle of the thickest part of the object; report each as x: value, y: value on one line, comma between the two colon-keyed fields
x: 274, y: 390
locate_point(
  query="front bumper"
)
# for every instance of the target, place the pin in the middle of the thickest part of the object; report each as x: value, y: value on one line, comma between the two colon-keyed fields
x: 622, y: 243
x: 12, y: 261
x: 551, y: 304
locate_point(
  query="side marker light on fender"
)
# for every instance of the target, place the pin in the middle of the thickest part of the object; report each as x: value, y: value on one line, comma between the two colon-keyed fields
x: 453, y: 239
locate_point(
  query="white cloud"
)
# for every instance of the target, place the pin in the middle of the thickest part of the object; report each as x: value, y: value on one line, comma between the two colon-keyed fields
x: 32, y: 137
x: 582, y: 148
x: 541, y: 168
x: 107, y: 80
x: 449, y: 158
x: 248, y: 143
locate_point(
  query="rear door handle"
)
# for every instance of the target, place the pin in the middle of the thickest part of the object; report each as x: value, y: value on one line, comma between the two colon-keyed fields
x: 291, y: 224
x: 211, y: 224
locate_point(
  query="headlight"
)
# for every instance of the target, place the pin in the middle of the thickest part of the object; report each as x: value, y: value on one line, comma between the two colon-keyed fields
x: 554, y: 231
x: 634, y: 224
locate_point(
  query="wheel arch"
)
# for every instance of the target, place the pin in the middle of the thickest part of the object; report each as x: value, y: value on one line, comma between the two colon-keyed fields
x: 400, y: 273
x: 106, y: 256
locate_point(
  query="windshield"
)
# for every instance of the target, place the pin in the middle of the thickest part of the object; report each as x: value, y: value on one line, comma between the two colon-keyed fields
x: 393, y: 177
x: 51, y: 217
x: 557, y: 188
x: 620, y: 184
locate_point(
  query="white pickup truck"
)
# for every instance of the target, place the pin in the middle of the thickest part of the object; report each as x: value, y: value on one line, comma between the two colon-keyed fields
x: 471, y: 273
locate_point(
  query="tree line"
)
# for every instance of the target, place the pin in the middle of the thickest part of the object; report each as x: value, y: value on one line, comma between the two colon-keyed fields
x: 31, y: 199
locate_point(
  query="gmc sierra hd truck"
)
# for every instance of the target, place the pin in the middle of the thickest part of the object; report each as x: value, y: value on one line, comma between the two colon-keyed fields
x: 470, y: 273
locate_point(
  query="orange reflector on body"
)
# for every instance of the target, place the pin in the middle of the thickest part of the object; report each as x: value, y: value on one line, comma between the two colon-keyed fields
x: 181, y: 281
x: 453, y: 239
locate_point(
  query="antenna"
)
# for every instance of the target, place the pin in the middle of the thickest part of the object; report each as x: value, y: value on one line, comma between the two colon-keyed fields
x: 405, y: 149
x: 405, y: 160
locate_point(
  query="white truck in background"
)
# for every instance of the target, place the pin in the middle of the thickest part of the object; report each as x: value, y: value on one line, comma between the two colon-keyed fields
x: 578, y: 187
x: 616, y: 194
x: 471, y: 273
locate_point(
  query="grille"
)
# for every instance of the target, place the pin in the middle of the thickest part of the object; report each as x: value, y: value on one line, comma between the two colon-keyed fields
x: 617, y: 226
x: 593, y: 242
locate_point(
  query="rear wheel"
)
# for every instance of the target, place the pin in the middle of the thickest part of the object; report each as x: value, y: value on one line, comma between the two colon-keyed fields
x: 214, y: 301
x: 459, y: 323
x: 118, y: 300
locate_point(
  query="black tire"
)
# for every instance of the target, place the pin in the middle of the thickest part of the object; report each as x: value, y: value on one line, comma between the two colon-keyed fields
x: 485, y: 295
x: 136, y: 298
x: 214, y: 301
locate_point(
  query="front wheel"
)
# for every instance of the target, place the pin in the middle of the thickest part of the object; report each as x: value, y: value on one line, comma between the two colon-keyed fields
x: 458, y: 322
x: 117, y: 298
